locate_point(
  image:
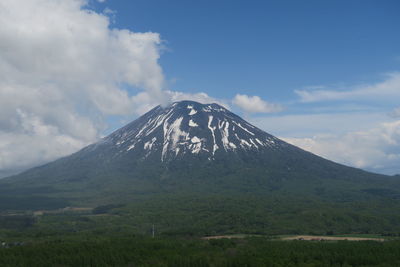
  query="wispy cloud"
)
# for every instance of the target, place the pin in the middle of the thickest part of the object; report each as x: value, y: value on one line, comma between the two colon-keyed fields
x: 387, y: 89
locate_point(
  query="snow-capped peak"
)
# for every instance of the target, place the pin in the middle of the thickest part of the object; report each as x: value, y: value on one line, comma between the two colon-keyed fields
x: 189, y: 127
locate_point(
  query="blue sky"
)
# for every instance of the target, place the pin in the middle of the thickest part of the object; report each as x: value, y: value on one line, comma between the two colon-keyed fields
x: 267, y: 48
x: 323, y: 75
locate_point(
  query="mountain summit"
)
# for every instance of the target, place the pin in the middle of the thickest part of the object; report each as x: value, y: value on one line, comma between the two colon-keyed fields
x: 189, y: 127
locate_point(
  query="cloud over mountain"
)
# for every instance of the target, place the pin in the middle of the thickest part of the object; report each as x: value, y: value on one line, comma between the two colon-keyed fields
x: 62, y: 69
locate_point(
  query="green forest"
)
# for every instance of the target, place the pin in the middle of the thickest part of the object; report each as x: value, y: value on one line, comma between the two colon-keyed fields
x: 121, y: 234
x: 132, y: 250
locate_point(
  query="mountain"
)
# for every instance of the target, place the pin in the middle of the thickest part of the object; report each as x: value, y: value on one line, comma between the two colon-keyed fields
x: 190, y: 128
x: 208, y: 166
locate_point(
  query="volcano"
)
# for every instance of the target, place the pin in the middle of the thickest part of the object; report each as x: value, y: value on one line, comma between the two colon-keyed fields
x: 207, y: 156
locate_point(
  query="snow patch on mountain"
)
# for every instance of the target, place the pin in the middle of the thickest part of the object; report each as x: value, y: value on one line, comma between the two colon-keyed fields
x: 149, y: 144
x: 192, y: 110
x: 238, y: 124
x: 212, y: 129
x: 172, y: 135
x: 195, y: 140
x: 196, y: 146
x: 192, y: 123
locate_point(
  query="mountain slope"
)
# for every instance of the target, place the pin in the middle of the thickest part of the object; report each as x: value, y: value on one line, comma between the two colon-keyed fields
x: 192, y: 154
x: 188, y: 139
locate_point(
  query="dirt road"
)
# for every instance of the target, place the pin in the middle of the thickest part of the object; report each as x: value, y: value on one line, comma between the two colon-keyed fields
x: 331, y: 238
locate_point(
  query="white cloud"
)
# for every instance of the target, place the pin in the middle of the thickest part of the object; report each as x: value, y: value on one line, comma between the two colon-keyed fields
x: 254, y: 104
x: 389, y: 89
x: 376, y: 149
x: 35, y: 143
x: 62, y: 71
